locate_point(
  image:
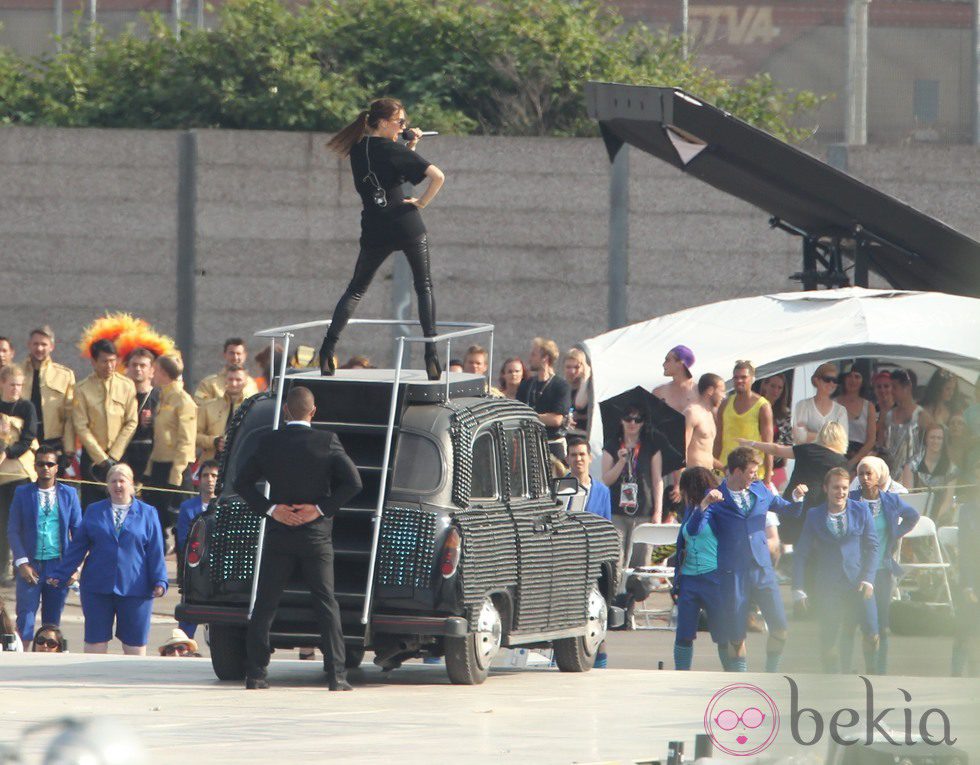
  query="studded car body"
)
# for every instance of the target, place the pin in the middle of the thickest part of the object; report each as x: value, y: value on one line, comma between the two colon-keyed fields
x: 474, y: 467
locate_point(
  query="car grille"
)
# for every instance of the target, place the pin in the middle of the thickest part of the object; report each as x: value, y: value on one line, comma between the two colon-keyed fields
x: 406, y: 549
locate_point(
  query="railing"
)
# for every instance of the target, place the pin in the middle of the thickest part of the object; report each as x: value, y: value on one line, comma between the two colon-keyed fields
x: 460, y: 329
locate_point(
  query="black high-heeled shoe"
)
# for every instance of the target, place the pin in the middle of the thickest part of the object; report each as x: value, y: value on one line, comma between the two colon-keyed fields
x: 432, y: 366
x: 327, y: 364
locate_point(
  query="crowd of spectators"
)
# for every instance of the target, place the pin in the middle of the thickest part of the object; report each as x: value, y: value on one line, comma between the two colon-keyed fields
x: 132, y: 423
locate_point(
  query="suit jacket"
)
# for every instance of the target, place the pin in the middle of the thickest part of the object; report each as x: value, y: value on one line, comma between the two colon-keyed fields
x: 901, y: 519
x: 213, y: 386
x: 189, y: 510
x: 302, y: 466
x: 174, y: 426
x: 212, y: 417
x: 104, y: 416
x: 22, y: 524
x: 853, y: 556
x: 57, y: 391
x: 742, y: 538
x: 131, y: 564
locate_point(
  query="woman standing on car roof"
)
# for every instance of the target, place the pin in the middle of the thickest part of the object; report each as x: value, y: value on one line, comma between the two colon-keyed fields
x: 389, y: 221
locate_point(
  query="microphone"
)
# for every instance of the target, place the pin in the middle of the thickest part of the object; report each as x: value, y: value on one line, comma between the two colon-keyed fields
x: 408, y: 135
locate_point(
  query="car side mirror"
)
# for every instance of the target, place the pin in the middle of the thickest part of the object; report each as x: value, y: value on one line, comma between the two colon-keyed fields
x: 565, y: 487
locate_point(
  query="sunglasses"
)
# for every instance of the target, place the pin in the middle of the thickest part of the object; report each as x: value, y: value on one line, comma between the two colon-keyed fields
x: 47, y: 643
x: 176, y: 649
x: 401, y: 123
x: 46, y: 464
x: 750, y: 718
x: 632, y: 418
x: 829, y: 379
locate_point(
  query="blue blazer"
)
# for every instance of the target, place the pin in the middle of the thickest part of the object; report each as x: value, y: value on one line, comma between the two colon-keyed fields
x: 22, y: 523
x: 130, y: 565
x: 901, y: 518
x: 742, y: 538
x: 853, y: 556
x: 189, y: 510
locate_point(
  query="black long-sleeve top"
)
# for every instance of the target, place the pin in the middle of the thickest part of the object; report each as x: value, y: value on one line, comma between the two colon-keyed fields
x: 23, y: 409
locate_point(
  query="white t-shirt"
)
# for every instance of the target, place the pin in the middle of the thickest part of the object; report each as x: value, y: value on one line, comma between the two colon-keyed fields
x: 807, y: 415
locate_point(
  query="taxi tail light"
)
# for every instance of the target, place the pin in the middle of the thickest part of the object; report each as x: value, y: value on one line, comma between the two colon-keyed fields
x: 449, y: 561
x: 195, y: 544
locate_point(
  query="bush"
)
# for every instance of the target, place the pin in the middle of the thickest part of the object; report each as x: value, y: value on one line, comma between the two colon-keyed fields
x: 513, y: 67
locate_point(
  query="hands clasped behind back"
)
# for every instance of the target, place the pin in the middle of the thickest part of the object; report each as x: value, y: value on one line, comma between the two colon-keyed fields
x: 296, y: 515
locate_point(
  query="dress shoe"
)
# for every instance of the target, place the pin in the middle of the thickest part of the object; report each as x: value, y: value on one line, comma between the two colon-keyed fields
x: 327, y: 364
x: 340, y: 684
x: 256, y: 683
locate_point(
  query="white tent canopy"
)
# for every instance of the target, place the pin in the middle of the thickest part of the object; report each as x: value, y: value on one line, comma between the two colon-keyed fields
x: 784, y: 331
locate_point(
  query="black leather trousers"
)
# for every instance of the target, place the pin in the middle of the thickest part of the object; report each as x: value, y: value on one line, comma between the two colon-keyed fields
x: 368, y: 262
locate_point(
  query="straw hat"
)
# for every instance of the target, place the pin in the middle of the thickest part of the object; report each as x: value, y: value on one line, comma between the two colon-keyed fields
x: 179, y: 637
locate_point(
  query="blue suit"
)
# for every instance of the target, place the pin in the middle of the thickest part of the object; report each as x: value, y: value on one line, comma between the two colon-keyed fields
x: 744, y: 561
x: 900, y: 518
x: 189, y: 510
x: 120, y: 571
x: 22, y: 533
x: 840, y: 564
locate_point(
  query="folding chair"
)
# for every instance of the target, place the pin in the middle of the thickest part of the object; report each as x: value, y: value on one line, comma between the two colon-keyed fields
x: 655, y: 534
x: 929, y: 558
x: 920, y: 500
x: 949, y: 541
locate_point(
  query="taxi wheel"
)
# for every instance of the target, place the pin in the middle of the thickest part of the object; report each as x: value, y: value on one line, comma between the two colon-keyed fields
x: 227, y: 651
x: 578, y: 654
x: 468, y: 658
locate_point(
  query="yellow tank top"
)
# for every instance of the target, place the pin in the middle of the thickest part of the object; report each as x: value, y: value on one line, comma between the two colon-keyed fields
x: 735, y: 425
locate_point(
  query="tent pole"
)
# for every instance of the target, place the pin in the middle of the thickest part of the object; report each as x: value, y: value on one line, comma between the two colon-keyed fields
x: 809, y: 263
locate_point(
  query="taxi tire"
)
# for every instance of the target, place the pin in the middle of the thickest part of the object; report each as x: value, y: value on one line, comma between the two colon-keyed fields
x: 571, y: 656
x: 227, y: 651
x: 462, y: 653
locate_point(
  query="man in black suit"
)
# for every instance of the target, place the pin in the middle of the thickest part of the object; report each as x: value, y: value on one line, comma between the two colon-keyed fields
x: 310, y: 477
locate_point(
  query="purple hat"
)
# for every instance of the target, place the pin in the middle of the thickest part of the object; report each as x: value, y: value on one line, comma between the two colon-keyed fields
x: 684, y: 354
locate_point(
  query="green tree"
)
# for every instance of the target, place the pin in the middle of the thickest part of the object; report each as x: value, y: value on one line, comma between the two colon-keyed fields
x: 512, y: 67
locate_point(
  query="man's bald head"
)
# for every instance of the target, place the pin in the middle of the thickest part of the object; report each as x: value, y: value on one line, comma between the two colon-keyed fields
x: 300, y: 403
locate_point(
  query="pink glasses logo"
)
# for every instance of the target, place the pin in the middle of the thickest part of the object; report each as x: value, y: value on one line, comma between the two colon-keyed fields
x: 741, y: 719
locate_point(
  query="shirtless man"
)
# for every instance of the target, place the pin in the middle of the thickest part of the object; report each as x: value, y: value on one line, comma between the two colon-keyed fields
x: 701, y: 428
x: 680, y: 392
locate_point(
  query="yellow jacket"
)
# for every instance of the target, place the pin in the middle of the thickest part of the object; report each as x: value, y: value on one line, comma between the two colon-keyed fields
x: 212, y: 416
x: 104, y: 415
x: 173, y: 431
x: 57, y: 392
x: 21, y: 467
x: 213, y: 387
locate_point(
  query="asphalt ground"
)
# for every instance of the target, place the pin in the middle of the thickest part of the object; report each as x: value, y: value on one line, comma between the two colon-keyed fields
x: 624, y: 714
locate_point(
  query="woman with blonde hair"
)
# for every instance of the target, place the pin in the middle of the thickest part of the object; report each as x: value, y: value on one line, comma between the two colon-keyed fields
x: 577, y: 374
x: 812, y: 463
x: 811, y: 414
x: 121, y: 542
x: 893, y: 519
x: 389, y: 220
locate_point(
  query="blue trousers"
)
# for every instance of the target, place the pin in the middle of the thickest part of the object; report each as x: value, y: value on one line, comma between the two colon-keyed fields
x: 697, y: 593
x: 130, y: 614
x: 30, y: 596
x: 740, y: 589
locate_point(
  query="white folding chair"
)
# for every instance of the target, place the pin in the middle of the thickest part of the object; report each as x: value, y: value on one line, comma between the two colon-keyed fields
x: 920, y: 500
x: 949, y: 541
x: 654, y: 534
x: 929, y: 558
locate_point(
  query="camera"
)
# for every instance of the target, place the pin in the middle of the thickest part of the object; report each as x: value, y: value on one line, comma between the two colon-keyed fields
x: 379, y: 197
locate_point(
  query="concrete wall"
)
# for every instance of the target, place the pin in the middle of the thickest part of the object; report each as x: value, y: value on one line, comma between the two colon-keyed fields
x: 88, y: 223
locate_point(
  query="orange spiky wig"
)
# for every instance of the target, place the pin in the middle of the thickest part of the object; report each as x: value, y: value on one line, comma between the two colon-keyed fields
x: 127, y: 332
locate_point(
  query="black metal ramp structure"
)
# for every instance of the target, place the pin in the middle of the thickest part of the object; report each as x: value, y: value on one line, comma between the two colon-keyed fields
x: 835, y: 214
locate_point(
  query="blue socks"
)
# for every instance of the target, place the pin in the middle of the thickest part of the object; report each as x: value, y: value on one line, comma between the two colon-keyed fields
x: 738, y: 664
x: 726, y: 662
x: 601, y: 661
x: 881, y: 659
x: 682, y: 656
x: 772, y: 661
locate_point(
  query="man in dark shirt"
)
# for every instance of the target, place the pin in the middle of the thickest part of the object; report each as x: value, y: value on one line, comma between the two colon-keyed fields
x: 547, y: 393
x: 139, y: 369
x: 310, y: 477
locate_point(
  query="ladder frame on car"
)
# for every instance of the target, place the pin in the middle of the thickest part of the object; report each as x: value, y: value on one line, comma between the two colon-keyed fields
x: 286, y: 333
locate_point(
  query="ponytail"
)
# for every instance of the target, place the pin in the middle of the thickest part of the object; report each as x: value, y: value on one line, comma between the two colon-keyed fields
x: 382, y: 108
x: 346, y: 139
